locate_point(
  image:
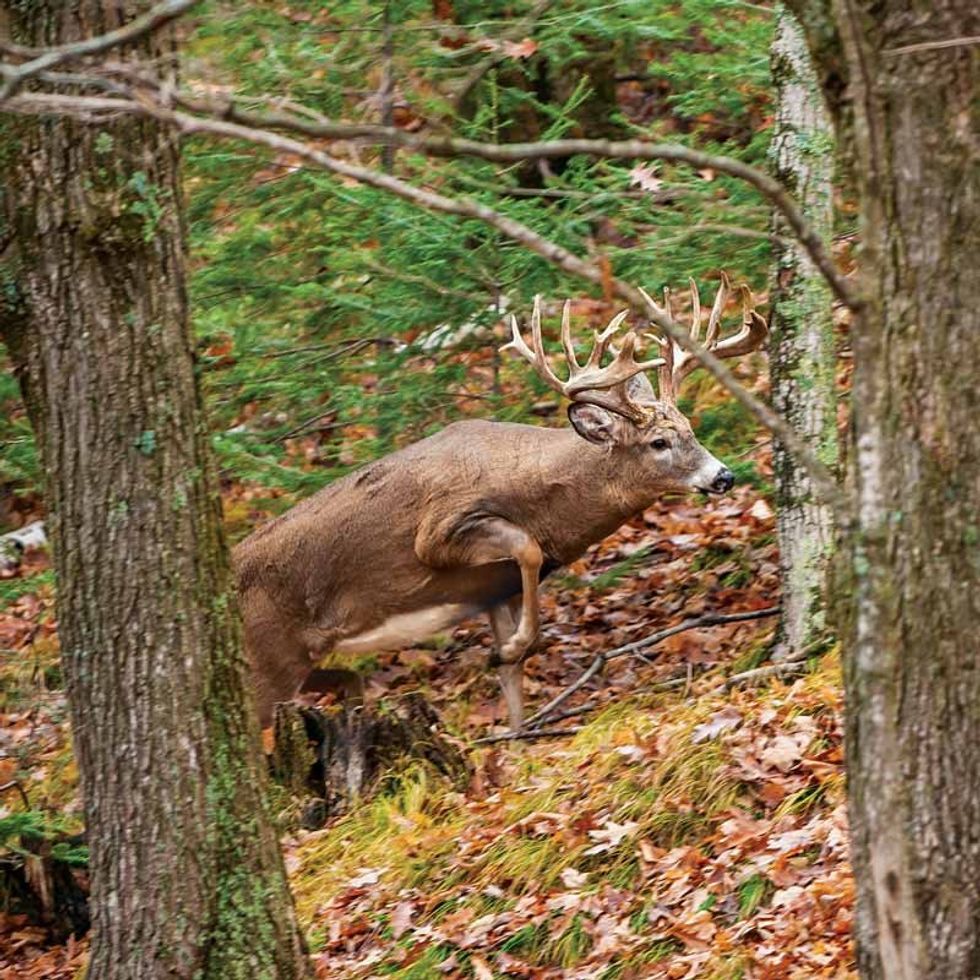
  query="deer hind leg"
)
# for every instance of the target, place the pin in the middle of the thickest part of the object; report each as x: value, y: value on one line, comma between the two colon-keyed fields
x: 280, y: 660
x: 503, y: 622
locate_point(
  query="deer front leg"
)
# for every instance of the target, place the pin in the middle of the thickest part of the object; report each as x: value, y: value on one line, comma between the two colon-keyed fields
x: 499, y: 540
x: 482, y: 541
x: 503, y: 622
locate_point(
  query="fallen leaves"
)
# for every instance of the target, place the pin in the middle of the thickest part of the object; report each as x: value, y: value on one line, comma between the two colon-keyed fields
x: 720, y: 721
x: 610, y: 835
x: 701, y: 824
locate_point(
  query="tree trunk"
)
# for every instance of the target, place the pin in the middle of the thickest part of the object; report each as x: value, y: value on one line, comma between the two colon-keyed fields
x: 801, y: 348
x: 913, y: 684
x: 187, y: 877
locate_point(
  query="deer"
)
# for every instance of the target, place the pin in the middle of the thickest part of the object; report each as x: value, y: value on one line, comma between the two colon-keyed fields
x: 470, y: 520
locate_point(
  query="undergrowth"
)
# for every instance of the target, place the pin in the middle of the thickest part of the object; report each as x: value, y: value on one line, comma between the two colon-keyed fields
x: 589, y: 816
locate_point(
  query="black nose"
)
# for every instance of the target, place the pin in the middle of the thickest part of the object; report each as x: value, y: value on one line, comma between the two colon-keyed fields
x: 724, y: 481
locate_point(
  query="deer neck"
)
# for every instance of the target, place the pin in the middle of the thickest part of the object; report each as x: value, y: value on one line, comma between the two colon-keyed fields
x: 590, y: 494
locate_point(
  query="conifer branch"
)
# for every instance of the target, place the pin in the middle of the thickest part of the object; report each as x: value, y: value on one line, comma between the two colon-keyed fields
x: 143, y: 102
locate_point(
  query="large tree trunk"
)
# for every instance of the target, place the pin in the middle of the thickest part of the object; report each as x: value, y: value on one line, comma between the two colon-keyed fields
x: 187, y: 877
x: 801, y: 349
x: 913, y: 683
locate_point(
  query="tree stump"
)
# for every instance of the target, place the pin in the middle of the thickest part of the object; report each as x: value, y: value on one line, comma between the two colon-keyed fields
x: 335, y: 756
x: 48, y: 890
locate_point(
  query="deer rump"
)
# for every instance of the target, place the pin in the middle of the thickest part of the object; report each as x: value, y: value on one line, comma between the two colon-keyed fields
x: 377, y: 560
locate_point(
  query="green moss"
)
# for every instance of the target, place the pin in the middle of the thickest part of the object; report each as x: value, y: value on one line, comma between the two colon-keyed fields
x: 147, y: 442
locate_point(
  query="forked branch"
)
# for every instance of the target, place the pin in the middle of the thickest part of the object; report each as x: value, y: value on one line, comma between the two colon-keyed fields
x: 145, y: 103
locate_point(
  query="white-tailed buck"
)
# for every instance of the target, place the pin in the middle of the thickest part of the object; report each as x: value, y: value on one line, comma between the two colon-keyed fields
x: 471, y: 519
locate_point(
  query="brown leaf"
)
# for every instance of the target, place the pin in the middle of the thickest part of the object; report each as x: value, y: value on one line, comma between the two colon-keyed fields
x: 401, y: 918
x: 782, y: 752
x: 520, y: 49
x: 481, y: 969
x: 721, y: 721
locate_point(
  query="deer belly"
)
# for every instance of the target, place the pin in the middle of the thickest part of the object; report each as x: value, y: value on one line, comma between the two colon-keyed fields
x: 404, y: 629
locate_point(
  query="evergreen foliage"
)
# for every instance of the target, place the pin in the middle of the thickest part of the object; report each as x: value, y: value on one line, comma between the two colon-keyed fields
x: 328, y: 314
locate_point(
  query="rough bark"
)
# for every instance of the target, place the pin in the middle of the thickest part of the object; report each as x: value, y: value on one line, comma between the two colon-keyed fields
x: 187, y: 878
x: 913, y: 602
x: 801, y: 347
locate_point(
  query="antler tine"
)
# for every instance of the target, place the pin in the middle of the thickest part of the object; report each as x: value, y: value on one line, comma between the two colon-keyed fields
x: 665, y: 372
x: 695, y: 309
x: 516, y: 341
x: 601, y: 344
x: 679, y: 362
x: 536, y: 356
x: 586, y: 382
x: 714, y: 319
x: 751, y: 335
x: 566, y: 336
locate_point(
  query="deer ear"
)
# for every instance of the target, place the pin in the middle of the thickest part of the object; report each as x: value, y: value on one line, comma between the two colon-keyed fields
x: 593, y: 423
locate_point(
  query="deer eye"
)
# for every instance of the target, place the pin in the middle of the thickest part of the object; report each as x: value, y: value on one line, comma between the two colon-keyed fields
x: 660, y: 445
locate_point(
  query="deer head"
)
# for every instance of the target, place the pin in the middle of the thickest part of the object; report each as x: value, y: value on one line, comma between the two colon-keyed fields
x: 616, y: 406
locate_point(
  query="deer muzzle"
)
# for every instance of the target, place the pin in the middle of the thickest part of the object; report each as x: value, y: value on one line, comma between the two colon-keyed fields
x: 724, y: 481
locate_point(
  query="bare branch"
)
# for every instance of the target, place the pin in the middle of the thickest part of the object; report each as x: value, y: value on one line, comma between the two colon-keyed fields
x: 448, y: 146
x: 758, y: 674
x: 952, y: 42
x: 152, y: 20
x: 526, y: 736
x: 319, y: 127
x: 143, y: 102
x: 601, y: 659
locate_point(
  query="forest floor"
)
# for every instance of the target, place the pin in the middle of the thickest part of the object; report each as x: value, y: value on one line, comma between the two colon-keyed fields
x: 694, y: 831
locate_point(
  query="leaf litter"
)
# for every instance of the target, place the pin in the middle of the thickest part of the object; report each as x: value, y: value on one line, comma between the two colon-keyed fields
x: 684, y: 833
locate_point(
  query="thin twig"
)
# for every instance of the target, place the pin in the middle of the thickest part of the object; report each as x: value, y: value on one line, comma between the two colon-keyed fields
x: 153, y: 19
x: 952, y: 42
x: 524, y: 735
x: 16, y: 784
x: 296, y: 430
x: 601, y: 659
x: 763, y: 673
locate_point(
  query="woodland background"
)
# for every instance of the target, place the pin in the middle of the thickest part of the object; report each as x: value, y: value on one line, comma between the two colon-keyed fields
x: 686, y: 825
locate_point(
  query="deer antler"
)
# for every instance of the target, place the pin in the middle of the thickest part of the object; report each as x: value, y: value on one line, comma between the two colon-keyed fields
x: 677, y: 363
x: 589, y: 382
